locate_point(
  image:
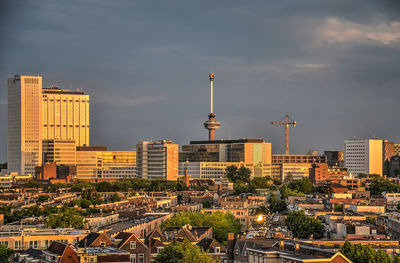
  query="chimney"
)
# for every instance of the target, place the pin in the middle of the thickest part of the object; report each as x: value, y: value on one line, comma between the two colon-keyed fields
x: 297, y: 248
x: 282, y: 244
x: 230, y: 246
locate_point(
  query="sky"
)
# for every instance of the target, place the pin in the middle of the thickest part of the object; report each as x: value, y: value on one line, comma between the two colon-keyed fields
x: 333, y: 66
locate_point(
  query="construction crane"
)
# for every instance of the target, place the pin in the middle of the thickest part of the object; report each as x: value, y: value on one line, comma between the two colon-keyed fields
x: 286, y: 121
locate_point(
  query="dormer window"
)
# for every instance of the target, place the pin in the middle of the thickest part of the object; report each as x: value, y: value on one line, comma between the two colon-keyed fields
x: 133, y: 245
x: 217, y: 249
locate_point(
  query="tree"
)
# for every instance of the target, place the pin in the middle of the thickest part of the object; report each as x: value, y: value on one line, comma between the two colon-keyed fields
x: 115, y: 198
x: 182, y: 252
x: 275, y: 205
x: 67, y: 218
x: 323, y: 189
x: 338, y: 208
x: 33, y: 184
x: 222, y: 223
x: 364, y: 254
x: 5, y: 254
x: 303, y: 226
x: 303, y: 186
x: 206, y: 204
x: 235, y: 174
x: 380, y: 185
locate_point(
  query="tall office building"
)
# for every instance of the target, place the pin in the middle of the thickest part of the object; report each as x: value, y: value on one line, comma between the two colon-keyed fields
x: 157, y: 159
x: 363, y: 156
x: 334, y: 158
x: 24, y: 124
x: 65, y: 115
x: 397, y: 149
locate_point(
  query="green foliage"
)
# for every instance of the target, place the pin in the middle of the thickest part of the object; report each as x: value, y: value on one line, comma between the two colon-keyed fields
x: 251, y: 185
x: 323, y: 189
x: 5, y: 254
x: 286, y: 192
x: 182, y: 252
x: 43, y: 198
x: 371, y: 220
x: 380, y: 185
x: 303, y: 226
x: 222, y: 223
x: 235, y: 174
x: 206, y: 204
x: 302, y: 186
x: 115, y: 198
x: 277, y: 206
x: 33, y: 184
x: 261, y: 210
x: 67, y: 218
x: 365, y: 254
x: 338, y: 208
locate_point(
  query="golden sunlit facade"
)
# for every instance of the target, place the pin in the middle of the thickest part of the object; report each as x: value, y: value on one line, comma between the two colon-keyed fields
x: 24, y: 124
x: 157, y: 159
x: 65, y: 115
x: 96, y: 163
x: 62, y: 152
x: 364, y: 156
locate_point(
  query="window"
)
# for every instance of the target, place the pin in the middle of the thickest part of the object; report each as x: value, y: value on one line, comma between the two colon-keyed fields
x: 141, y: 258
x: 133, y: 244
x: 102, y: 244
x: 33, y: 244
x: 159, y: 249
x: 217, y: 250
x: 17, y: 244
x: 133, y: 258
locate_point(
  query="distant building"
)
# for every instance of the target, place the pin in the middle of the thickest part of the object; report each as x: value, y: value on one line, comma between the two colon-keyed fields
x: 24, y: 124
x: 61, y: 152
x: 364, y: 156
x: 334, y: 158
x: 65, y: 115
x: 322, y: 173
x: 397, y: 149
x: 388, y: 150
x: 95, y: 163
x: 254, y: 153
x: 157, y: 159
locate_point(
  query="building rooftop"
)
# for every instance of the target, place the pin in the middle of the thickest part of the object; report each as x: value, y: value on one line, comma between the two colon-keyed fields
x: 222, y: 141
x: 57, y: 90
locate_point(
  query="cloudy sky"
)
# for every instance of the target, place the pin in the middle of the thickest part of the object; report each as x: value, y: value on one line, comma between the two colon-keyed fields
x: 331, y: 65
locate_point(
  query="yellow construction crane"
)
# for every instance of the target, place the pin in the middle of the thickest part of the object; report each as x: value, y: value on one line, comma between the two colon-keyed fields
x: 286, y: 121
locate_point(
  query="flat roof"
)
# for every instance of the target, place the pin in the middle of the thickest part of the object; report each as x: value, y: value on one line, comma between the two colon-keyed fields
x: 222, y: 141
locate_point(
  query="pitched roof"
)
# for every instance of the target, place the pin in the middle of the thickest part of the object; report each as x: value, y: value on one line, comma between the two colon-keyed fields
x: 184, y: 233
x: 156, y: 233
x: 88, y: 240
x: 57, y: 248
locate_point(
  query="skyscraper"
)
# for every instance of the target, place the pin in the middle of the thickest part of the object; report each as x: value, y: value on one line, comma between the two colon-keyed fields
x: 363, y: 156
x: 65, y: 115
x: 24, y: 124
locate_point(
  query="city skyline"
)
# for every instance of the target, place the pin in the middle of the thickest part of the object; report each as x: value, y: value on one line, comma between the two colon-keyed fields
x: 332, y: 69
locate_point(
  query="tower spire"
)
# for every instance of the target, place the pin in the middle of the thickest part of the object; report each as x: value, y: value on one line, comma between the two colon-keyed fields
x: 211, y: 124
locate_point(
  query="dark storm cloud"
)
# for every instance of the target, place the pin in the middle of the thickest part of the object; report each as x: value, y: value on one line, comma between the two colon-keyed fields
x: 332, y: 65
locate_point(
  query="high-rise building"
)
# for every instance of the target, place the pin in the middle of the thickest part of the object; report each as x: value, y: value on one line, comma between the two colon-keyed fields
x: 65, y: 115
x: 363, y: 156
x: 157, y: 159
x: 24, y: 124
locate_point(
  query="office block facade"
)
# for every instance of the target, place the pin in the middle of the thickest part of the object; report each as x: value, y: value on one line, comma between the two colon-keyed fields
x: 364, y: 156
x: 157, y: 159
x: 61, y: 152
x: 24, y: 124
x: 95, y: 163
x: 65, y: 115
